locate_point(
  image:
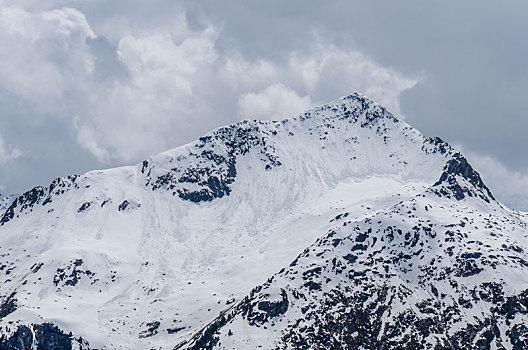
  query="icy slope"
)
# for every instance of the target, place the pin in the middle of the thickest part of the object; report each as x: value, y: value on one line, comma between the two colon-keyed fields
x: 146, y: 256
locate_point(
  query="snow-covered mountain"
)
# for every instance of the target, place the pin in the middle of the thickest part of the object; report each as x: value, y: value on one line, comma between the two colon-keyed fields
x: 5, y: 201
x: 341, y: 228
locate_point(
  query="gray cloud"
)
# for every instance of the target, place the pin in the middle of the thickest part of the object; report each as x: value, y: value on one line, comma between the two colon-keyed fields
x: 80, y: 80
x: 473, y: 56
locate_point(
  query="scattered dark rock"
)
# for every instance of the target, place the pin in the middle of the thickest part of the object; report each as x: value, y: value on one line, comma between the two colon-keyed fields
x: 152, y: 330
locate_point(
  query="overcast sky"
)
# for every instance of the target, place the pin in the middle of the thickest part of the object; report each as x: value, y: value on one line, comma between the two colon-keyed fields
x: 88, y: 84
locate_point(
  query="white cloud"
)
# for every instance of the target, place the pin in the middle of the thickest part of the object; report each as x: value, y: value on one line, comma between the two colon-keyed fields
x: 324, y: 74
x: 45, y: 61
x: 181, y: 85
x: 69, y: 23
x: 178, y: 83
x: 157, y: 104
x: 8, y: 152
x: 87, y: 140
x: 343, y: 72
x: 274, y: 102
x: 236, y: 72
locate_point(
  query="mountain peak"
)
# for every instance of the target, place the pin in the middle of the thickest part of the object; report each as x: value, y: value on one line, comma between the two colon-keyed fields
x: 460, y: 180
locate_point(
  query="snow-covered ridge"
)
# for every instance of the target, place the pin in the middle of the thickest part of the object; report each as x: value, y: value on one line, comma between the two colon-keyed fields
x: 5, y: 201
x: 349, y: 129
x: 147, y: 255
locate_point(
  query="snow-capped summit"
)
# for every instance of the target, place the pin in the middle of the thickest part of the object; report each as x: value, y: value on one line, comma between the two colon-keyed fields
x: 277, y: 234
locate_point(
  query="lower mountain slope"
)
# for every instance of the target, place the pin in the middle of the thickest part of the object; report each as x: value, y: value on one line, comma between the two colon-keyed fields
x: 428, y: 273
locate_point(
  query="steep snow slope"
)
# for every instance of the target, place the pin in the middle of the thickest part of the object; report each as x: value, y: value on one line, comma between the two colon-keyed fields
x: 148, y: 255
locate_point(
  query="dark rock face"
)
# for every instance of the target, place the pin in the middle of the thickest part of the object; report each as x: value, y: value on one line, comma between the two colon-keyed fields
x: 20, y: 340
x: 213, y: 168
x: 262, y: 311
x: 8, y: 306
x: 438, y: 145
x: 152, y: 329
x: 84, y: 207
x: 206, y: 338
x: 25, y: 202
x: 9, y: 214
x: 357, y: 322
x: 175, y: 330
x: 123, y: 205
x: 448, y: 185
x: 47, y: 337
x: 38, y: 195
x: 71, y: 274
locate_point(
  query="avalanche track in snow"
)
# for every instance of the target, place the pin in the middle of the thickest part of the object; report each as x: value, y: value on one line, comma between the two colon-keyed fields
x: 342, y: 228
